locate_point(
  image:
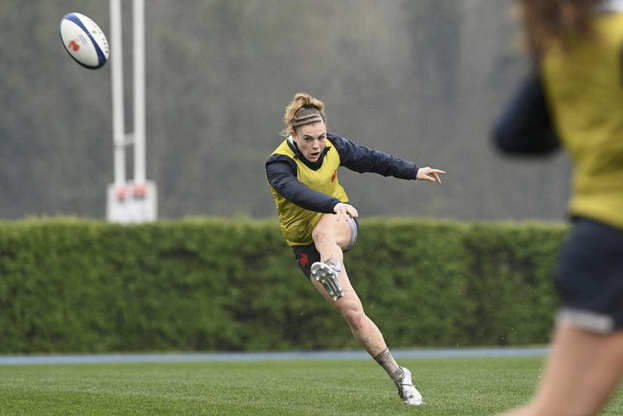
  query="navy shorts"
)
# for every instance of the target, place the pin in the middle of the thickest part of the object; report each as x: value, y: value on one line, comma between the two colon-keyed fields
x: 589, y: 277
x: 308, y: 255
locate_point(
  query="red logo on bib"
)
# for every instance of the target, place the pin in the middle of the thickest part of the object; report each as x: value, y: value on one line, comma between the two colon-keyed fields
x: 334, y: 176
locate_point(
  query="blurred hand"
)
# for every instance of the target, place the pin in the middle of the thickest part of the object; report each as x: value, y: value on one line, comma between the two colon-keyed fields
x: 345, y: 211
x: 429, y: 174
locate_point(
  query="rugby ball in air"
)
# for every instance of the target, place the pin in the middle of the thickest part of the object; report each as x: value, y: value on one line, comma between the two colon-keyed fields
x: 84, y: 40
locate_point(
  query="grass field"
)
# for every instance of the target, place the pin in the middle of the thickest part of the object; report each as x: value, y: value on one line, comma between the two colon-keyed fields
x: 452, y: 386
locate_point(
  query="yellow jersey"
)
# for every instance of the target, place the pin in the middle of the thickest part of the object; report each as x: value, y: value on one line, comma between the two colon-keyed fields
x: 297, y: 223
x: 584, y: 91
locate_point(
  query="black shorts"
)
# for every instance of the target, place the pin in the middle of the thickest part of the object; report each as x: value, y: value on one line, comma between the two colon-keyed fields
x: 589, y: 277
x: 307, y: 255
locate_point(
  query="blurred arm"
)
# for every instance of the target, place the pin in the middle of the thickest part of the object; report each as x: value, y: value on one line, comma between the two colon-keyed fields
x: 525, y: 126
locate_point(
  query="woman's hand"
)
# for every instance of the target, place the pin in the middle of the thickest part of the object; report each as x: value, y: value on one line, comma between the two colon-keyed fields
x: 345, y: 211
x: 429, y: 174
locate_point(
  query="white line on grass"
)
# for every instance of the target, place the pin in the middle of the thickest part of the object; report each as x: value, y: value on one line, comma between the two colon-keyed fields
x: 265, y: 356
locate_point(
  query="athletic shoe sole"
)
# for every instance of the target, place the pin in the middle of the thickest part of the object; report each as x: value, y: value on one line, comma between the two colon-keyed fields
x: 328, y: 278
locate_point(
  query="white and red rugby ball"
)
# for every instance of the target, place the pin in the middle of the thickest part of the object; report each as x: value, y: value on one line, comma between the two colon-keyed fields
x: 84, y: 40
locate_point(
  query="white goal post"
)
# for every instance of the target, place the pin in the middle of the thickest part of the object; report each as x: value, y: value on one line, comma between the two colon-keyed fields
x: 129, y: 201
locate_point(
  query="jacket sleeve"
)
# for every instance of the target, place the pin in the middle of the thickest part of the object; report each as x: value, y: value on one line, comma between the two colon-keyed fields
x: 281, y: 173
x: 363, y: 159
x: 525, y: 126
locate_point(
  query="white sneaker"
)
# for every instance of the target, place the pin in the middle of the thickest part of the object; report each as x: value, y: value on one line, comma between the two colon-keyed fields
x: 328, y: 277
x: 408, y: 393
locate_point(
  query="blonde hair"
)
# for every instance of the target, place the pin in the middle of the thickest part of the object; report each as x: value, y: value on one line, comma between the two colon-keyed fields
x: 304, y: 109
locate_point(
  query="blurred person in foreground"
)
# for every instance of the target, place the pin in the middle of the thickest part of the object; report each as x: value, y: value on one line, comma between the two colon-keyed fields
x: 574, y: 98
x: 318, y: 222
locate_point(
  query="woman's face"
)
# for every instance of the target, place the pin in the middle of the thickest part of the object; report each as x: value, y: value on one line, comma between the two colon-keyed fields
x: 311, y: 140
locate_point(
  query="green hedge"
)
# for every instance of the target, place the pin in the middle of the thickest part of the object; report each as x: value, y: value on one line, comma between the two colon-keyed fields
x: 214, y: 284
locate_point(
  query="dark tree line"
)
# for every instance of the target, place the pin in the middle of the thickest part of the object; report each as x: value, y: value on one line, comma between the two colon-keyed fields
x: 420, y: 79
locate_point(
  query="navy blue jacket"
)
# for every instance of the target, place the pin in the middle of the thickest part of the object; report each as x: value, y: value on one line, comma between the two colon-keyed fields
x: 526, y: 126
